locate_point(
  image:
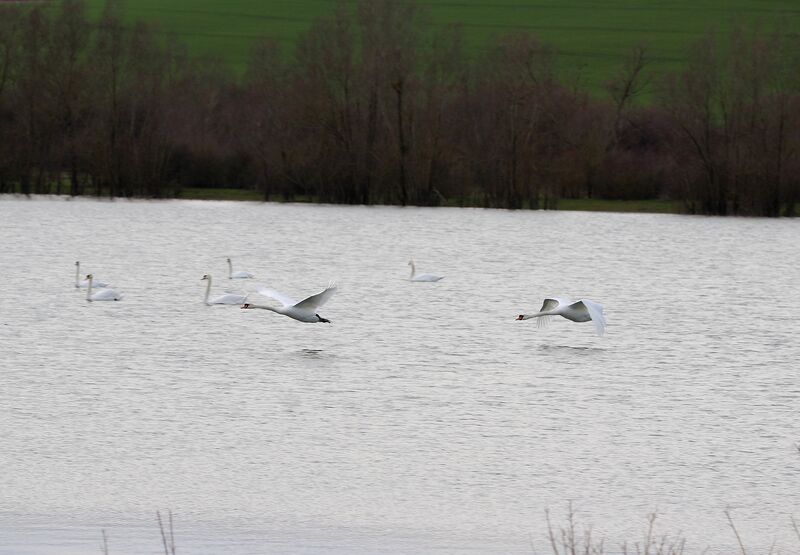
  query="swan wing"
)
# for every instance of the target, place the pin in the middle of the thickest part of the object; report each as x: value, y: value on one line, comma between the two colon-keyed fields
x: 551, y: 303
x: 315, y: 301
x: 106, y: 295
x: 595, y: 311
x: 285, y: 300
x: 543, y: 321
x: 426, y: 277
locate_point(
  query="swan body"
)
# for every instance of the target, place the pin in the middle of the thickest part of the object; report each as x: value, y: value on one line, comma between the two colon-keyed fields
x: 582, y: 310
x: 102, y: 294
x: 83, y: 284
x: 238, y: 275
x: 303, y: 311
x: 227, y: 298
x: 421, y: 277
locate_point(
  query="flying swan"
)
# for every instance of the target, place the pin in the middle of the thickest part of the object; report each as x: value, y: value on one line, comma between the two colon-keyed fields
x: 238, y: 275
x: 303, y: 311
x: 102, y: 294
x: 85, y: 283
x: 577, y: 311
x: 227, y: 298
x: 421, y: 277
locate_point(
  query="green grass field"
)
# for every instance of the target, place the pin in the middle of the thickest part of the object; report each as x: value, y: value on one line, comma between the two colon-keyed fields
x: 592, y: 36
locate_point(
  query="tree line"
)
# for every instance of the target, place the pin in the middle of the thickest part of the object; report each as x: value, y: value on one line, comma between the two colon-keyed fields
x: 373, y: 105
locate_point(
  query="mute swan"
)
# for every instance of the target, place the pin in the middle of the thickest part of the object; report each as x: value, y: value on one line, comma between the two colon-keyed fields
x: 577, y: 311
x: 237, y: 275
x: 421, y: 277
x: 304, y: 311
x: 102, y: 294
x: 227, y: 298
x: 85, y: 283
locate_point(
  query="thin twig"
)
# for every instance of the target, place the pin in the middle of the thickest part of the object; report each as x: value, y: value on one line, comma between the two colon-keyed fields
x: 736, y: 532
x: 104, y: 547
x: 163, y: 534
x: 651, y: 518
x: 795, y: 527
x: 171, y: 533
x: 550, y: 532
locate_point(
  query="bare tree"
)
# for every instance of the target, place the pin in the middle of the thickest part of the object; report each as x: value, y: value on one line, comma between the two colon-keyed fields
x: 626, y: 87
x: 67, y: 79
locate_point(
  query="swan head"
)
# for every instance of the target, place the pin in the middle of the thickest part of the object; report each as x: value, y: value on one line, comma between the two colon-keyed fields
x: 89, y: 276
x: 321, y: 319
x: 205, y: 276
x: 246, y: 305
x: 521, y: 317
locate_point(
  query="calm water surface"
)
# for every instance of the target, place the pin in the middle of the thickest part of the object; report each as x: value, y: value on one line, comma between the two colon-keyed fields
x: 425, y: 418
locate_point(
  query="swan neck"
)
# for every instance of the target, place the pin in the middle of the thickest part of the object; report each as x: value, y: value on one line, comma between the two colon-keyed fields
x: 77, y: 274
x: 265, y: 307
x: 89, y: 290
x: 413, y: 269
x: 208, y: 290
x: 230, y: 269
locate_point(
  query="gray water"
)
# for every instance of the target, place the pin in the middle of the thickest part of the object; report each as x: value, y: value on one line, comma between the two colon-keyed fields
x: 424, y: 419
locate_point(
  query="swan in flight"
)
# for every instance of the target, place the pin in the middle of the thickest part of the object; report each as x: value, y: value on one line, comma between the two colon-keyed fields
x: 304, y: 311
x: 421, y: 277
x: 227, y: 298
x: 577, y: 311
x: 237, y: 275
x: 102, y: 294
x: 85, y: 283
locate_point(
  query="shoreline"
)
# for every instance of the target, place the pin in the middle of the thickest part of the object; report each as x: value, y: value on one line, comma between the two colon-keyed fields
x: 650, y: 206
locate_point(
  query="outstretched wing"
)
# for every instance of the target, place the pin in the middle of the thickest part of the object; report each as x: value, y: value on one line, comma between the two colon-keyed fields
x: 285, y: 300
x: 543, y: 321
x: 315, y: 301
x: 595, y: 310
x: 551, y: 303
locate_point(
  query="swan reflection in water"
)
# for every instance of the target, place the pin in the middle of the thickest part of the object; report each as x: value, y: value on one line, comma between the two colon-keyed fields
x: 312, y: 353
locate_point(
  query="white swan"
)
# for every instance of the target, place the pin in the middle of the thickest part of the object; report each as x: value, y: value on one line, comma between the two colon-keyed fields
x: 237, y: 275
x: 85, y: 283
x: 577, y: 311
x: 304, y: 311
x: 227, y: 298
x: 102, y: 294
x: 421, y: 277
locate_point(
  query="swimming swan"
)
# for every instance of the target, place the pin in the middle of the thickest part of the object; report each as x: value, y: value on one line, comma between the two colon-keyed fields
x: 303, y: 311
x: 227, y: 298
x: 237, y: 275
x: 577, y: 311
x: 421, y: 277
x: 85, y: 283
x: 102, y: 294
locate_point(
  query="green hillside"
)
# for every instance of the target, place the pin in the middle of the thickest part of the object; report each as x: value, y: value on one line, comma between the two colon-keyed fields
x: 592, y: 36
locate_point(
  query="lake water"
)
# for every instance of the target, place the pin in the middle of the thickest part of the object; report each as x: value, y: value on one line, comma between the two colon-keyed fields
x: 424, y: 419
